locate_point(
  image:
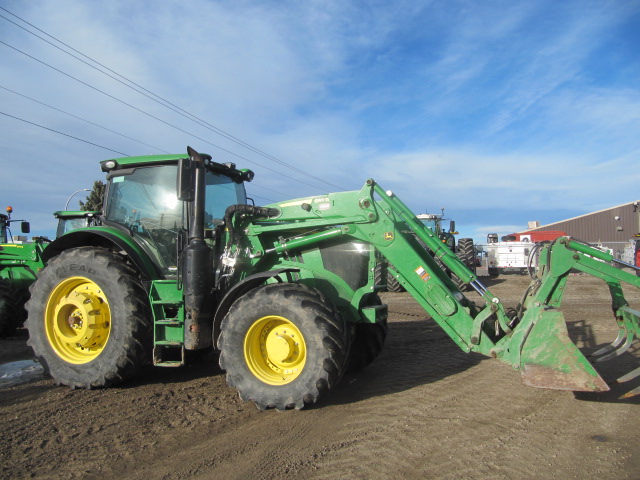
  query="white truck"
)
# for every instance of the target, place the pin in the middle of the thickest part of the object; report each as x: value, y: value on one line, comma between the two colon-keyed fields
x: 507, y: 256
x: 513, y: 253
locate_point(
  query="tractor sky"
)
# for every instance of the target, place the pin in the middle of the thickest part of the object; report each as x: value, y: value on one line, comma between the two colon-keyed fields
x: 501, y: 112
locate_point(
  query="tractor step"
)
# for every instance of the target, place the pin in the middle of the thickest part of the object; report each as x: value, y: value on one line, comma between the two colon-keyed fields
x: 168, y: 324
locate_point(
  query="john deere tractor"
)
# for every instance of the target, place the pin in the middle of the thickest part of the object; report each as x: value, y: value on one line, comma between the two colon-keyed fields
x: 286, y: 292
x: 69, y: 220
x: 19, y: 263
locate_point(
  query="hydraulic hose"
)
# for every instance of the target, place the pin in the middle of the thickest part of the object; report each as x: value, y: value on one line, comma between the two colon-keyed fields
x: 252, y: 210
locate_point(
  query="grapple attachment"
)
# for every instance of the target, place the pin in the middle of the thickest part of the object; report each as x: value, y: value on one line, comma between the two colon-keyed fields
x: 628, y: 332
x: 548, y: 358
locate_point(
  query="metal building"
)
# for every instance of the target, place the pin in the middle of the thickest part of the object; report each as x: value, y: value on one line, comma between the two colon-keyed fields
x: 612, y: 228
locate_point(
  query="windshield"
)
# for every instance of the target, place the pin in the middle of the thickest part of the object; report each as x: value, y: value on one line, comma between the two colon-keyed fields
x: 430, y: 223
x: 65, y: 225
x: 145, y: 202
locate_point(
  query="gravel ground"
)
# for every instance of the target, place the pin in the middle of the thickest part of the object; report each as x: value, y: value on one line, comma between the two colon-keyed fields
x: 423, y: 409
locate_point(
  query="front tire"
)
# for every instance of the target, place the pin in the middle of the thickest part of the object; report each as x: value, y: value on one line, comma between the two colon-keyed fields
x: 282, y: 346
x: 89, y: 319
x: 8, y: 310
x: 12, y: 308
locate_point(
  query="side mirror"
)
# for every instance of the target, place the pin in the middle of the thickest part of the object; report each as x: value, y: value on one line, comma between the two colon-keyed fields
x: 186, y: 186
x: 452, y: 226
x: 26, y: 228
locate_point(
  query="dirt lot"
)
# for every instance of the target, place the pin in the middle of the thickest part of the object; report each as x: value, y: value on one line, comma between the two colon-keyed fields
x: 423, y: 409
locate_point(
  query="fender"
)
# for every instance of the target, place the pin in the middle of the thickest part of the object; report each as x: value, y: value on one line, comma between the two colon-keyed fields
x: 240, y: 289
x: 107, y: 237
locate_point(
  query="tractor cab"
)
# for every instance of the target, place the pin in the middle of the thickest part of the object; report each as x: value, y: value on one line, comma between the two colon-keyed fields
x: 69, y: 220
x: 433, y: 222
x: 141, y: 198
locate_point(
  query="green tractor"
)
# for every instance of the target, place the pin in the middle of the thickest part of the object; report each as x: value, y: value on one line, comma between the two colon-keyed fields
x: 19, y: 264
x: 464, y: 249
x: 21, y: 261
x: 286, y: 292
x: 69, y: 220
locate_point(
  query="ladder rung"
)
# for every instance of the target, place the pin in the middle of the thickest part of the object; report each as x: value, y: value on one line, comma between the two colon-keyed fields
x: 169, y: 323
x: 173, y: 363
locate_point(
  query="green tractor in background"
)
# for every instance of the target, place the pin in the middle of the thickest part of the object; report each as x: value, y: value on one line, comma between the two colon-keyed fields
x: 21, y: 261
x: 464, y: 249
x: 19, y: 264
x: 69, y: 220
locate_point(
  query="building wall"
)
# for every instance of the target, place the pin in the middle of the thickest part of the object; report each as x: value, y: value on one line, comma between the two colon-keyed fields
x: 612, y: 228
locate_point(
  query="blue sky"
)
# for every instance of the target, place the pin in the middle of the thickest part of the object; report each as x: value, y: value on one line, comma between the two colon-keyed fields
x: 501, y: 112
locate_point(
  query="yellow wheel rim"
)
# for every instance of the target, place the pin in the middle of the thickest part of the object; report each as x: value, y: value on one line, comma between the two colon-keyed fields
x: 77, y: 320
x: 274, y: 350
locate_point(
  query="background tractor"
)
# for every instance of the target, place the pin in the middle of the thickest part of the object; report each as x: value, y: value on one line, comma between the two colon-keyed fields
x: 69, y: 220
x: 286, y: 292
x: 19, y: 264
x: 463, y: 248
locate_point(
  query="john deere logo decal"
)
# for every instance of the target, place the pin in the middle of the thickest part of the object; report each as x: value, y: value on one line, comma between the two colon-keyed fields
x: 388, y: 236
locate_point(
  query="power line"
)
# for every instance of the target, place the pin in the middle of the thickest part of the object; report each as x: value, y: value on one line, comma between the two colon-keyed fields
x: 82, y: 119
x: 152, y: 116
x: 62, y: 133
x: 249, y: 195
x: 158, y: 99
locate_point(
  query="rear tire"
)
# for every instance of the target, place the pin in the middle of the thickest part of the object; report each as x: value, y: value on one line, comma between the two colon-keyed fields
x: 89, y: 320
x: 282, y: 346
x: 380, y: 274
x: 367, y: 343
x: 393, y: 285
x: 467, y: 253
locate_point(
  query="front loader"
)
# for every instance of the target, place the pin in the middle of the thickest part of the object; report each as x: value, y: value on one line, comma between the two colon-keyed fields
x: 287, y: 293
x: 21, y: 261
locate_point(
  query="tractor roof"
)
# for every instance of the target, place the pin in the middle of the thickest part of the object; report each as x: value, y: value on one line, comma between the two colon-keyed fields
x: 229, y: 169
x: 143, y: 160
x: 76, y: 213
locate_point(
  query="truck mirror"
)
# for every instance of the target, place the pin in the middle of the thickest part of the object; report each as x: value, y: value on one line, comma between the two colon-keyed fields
x: 25, y: 227
x: 186, y: 179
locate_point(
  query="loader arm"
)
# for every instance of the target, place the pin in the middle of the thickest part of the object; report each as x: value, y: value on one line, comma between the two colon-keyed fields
x: 386, y: 224
x: 534, y: 342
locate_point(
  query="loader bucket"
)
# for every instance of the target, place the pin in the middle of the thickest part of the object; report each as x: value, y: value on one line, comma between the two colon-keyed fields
x: 549, y: 359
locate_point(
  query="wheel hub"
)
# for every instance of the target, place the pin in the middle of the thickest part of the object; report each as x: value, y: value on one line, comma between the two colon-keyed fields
x: 275, y: 351
x: 77, y: 320
x: 281, y: 347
